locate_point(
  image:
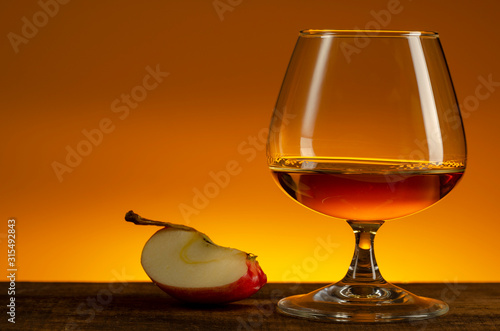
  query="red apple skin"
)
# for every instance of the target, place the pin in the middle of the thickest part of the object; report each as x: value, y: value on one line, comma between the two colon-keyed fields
x: 244, y: 287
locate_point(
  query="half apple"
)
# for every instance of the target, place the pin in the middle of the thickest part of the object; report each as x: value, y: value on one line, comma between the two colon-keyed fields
x: 186, y: 264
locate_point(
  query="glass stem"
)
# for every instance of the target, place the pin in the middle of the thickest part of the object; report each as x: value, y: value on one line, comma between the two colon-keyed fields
x: 364, y: 268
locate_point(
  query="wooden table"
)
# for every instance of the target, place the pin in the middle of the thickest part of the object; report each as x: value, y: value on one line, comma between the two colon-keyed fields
x: 142, y: 306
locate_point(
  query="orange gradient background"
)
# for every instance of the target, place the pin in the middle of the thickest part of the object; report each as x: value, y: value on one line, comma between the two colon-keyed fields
x: 213, y: 109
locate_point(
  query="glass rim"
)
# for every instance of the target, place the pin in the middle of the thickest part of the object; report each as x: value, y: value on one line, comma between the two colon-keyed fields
x: 321, y: 33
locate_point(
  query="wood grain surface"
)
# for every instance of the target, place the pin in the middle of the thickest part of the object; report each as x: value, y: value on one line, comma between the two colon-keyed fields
x: 142, y: 306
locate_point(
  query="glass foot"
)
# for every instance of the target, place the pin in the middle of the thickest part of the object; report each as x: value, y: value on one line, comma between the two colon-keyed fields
x: 361, y: 303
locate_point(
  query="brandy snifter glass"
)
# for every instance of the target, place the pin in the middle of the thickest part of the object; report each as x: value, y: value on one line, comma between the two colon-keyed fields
x: 366, y: 128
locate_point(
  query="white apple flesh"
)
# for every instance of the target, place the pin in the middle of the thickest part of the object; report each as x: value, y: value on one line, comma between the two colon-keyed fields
x: 186, y: 264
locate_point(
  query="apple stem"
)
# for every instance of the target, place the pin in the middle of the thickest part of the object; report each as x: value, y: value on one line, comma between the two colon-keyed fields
x: 251, y: 257
x: 138, y: 220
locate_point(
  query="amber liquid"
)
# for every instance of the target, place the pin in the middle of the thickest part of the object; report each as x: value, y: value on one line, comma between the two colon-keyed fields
x: 365, y: 190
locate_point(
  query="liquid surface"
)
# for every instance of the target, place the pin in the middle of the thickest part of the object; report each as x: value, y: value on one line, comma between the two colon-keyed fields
x: 365, y: 190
